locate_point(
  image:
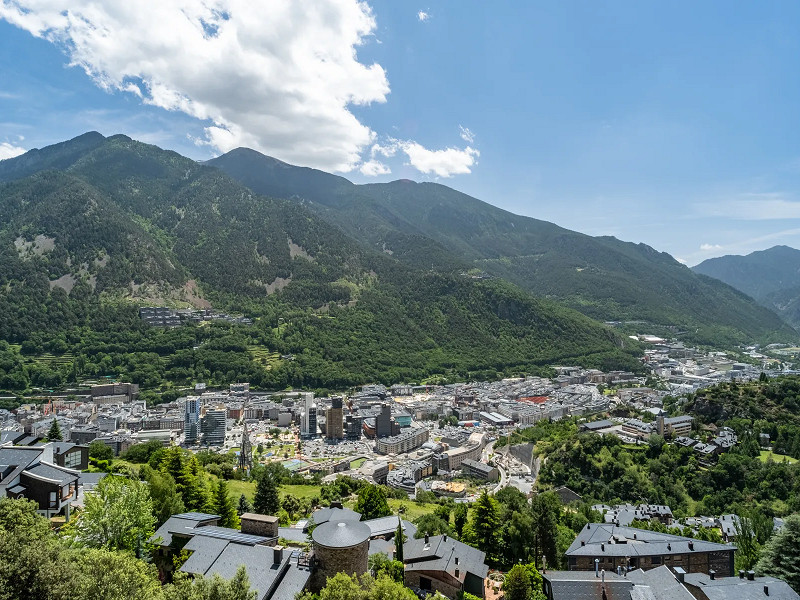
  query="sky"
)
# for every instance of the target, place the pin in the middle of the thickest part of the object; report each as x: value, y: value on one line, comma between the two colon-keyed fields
x: 674, y: 124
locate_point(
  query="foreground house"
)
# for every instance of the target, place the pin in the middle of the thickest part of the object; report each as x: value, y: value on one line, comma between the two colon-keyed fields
x: 31, y: 472
x: 608, y: 546
x: 662, y: 583
x: 441, y: 564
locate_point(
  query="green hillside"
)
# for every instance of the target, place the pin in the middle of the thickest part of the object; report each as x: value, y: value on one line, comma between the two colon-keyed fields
x: 770, y: 276
x: 602, y: 277
x: 121, y: 223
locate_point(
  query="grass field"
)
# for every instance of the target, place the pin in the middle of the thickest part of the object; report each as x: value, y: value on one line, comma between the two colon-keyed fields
x: 248, y: 488
x: 767, y: 454
x: 263, y: 356
x: 354, y: 464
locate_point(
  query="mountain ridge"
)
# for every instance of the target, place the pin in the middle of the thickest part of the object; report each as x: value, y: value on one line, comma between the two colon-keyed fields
x: 605, y: 278
x: 344, y: 313
x: 771, y: 276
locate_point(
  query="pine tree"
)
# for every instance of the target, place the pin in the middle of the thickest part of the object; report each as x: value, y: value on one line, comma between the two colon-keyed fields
x: 244, y: 505
x: 517, y: 584
x: 460, y: 518
x: 398, y: 541
x: 266, y: 500
x: 224, y: 506
x: 781, y: 554
x: 54, y: 433
x: 485, y: 524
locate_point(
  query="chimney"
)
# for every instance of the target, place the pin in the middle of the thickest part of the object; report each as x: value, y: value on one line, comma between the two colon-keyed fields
x: 669, y: 547
x: 634, y: 536
x: 277, y: 555
x: 751, y: 576
x: 427, y: 539
x: 766, y: 590
x: 691, y: 545
x: 457, y: 572
x: 712, y: 574
x: 603, y: 576
x: 444, y: 537
x: 456, y: 560
x: 583, y: 542
x: 603, y: 547
x: 680, y: 574
x: 741, y: 573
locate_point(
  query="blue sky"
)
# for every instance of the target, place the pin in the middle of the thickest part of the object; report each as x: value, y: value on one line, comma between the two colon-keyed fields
x: 673, y: 124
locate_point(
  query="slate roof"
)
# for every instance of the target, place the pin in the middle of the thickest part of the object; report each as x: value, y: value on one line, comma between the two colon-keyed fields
x: 583, y: 585
x: 341, y: 534
x: 269, y: 580
x: 382, y: 525
x: 53, y: 473
x: 175, y: 525
x: 733, y: 588
x: 440, y: 554
x: 323, y: 515
x: 293, y: 534
x: 612, y: 540
x: 232, y: 535
x: 660, y: 584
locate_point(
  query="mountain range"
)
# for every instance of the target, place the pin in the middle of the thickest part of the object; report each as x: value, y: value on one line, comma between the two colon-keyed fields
x: 114, y: 220
x: 770, y: 276
x: 428, y: 225
x: 389, y: 282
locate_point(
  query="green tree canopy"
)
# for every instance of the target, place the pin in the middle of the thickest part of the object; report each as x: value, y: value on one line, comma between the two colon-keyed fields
x: 781, y: 555
x: 54, y: 433
x: 372, y: 503
x: 117, y: 515
x: 266, y: 500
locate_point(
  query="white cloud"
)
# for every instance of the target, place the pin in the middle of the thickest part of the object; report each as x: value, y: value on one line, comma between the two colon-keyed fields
x: 683, y: 261
x: 279, y: 76
x: 444, y: 163
x: 466, y: 134
x: 387, y: 151
x: 373, y: 168
x: 10, y: 151
x: 423, y: 16
x: 710, y: 247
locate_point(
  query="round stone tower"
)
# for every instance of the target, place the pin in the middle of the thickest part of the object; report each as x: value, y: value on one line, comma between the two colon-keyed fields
x: 339, y: 546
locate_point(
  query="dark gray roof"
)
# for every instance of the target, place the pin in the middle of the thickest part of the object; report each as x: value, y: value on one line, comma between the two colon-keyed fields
x: 658, y: 584
x: 341, y: 534
x: 232, y: 535
x: 52, y: 473
x: 583, y: 585
x: 17, y: 489
x: 597, y: 425
x: 270, y: 581
x: 323, y: 515
x: 293, y: 582
x: 440, y: 554
x: 733, y: 588
x: 382, y: 525
x: 205, y: 550
x: 612, y: 540
x: 196, y: 516
x: 175, y: 525
x: 292, y: 534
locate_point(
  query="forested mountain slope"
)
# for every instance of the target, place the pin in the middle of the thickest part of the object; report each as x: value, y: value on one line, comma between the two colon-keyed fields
x: 115, y: 221
x: 602, y: 277
x: 770, y: 276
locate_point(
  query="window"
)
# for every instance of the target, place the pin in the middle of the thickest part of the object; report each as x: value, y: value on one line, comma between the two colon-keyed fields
x: 72, y: 459
x: 655, y: 560
x: 53, y: 501
x: 425, y: 584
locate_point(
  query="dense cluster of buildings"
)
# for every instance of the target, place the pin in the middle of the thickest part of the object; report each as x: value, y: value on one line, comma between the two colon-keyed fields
x: 164, y: 316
